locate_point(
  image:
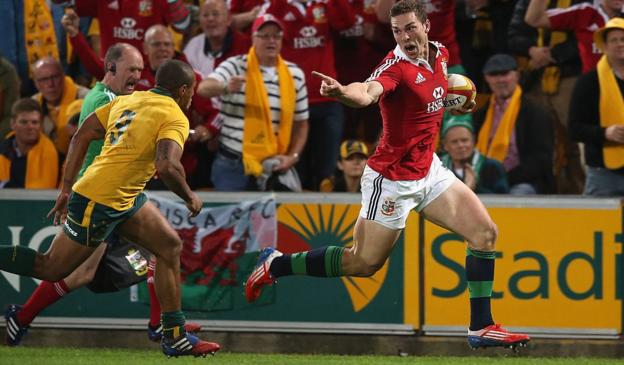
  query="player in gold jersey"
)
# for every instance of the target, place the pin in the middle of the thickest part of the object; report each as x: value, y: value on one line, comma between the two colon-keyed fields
x: 143, y: 132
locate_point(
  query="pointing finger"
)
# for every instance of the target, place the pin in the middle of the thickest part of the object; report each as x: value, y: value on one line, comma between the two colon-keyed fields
x: 324, y: 77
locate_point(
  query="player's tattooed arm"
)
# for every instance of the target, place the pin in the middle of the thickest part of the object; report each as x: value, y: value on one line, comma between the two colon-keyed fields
x: 171, y: 172
x: 162, y: 151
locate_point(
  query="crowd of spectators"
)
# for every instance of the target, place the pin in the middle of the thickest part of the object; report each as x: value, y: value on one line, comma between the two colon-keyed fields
x: 550, y: 78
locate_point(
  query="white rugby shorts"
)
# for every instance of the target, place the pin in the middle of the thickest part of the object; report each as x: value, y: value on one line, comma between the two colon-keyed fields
x: 389, y: 202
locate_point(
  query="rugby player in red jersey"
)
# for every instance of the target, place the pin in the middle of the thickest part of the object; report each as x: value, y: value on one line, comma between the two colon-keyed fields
x: 403, y: 174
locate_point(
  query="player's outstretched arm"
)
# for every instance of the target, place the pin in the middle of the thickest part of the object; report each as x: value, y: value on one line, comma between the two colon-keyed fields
x: 355, y: 95
x: 90, y: 130
x: 171, y: 172
x: 210, y: 87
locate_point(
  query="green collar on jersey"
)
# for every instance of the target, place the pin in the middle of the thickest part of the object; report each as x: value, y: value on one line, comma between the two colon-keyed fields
x: 161, y: 91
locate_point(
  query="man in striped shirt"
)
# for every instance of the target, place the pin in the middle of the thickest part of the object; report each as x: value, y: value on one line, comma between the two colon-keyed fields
x: 231, y: 81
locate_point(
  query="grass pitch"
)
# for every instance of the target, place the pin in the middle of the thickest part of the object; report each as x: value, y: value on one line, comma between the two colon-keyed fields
x: 90, y: 356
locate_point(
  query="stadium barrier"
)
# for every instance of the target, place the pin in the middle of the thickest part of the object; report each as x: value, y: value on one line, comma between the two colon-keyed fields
x: 558, y: 273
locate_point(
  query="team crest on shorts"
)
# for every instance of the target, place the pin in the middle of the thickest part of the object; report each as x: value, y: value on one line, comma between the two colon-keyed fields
x: 388, y: 207
x: 137, y: 262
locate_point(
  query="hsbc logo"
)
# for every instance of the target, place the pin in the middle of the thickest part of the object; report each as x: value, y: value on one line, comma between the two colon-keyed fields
x: 308, y: 39
x: 437, y: 104
x: 308, y: 31
x: 127, y: 31
x: 438, y: 92
x: 434, y: 106
x: 128, y: 22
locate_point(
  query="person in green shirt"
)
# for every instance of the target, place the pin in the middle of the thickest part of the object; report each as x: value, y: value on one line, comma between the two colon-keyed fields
x: 481, y: 174
x: 123, y: 66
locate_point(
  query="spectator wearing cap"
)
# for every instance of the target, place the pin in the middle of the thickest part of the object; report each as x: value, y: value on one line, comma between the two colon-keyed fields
x: 353, y: 158
x: 309, y: 42
x: 28, y: 159
x: 597, y: 114
x: 515, y: 131
x: 264, y: 110
x: 218, y: 40
x: 481, y: 174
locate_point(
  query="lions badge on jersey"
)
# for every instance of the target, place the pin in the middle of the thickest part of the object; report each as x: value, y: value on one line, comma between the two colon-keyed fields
x: 146, y: 8
x: 444, y: 68
x: 318, y: 12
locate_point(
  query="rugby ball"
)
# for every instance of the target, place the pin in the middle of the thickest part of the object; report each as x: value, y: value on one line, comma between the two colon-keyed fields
x: 460, y: 91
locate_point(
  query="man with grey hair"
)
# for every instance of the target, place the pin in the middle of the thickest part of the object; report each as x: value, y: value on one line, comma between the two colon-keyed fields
x: 55, y: 92
x: 218, y: 40
x: 264, y: 112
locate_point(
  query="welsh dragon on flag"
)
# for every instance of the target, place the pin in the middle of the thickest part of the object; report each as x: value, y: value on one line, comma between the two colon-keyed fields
x: 220, y: 248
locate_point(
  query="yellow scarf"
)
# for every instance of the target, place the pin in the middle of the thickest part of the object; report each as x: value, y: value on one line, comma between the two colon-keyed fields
x: 611, y: 112
x: 39, y: 36
x: 259, y: 141
x: 500, y: 143
x: 70, y: 93
x: 552, y: 74
x: 42, y: 166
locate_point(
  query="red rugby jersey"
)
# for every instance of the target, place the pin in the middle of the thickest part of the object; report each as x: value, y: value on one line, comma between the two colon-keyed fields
x: 308, y: 39
x: 411, y: 109
x: 583, y: 19
x: 124, y: 20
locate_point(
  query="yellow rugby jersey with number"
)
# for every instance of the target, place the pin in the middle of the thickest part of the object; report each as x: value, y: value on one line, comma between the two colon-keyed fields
x: 134, y: 124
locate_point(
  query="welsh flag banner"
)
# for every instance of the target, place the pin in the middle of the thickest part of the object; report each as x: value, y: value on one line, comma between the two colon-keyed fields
x: 220, y: 248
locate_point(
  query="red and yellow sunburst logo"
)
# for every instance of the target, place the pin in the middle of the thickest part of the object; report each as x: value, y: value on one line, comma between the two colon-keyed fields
x: 306, y: 226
